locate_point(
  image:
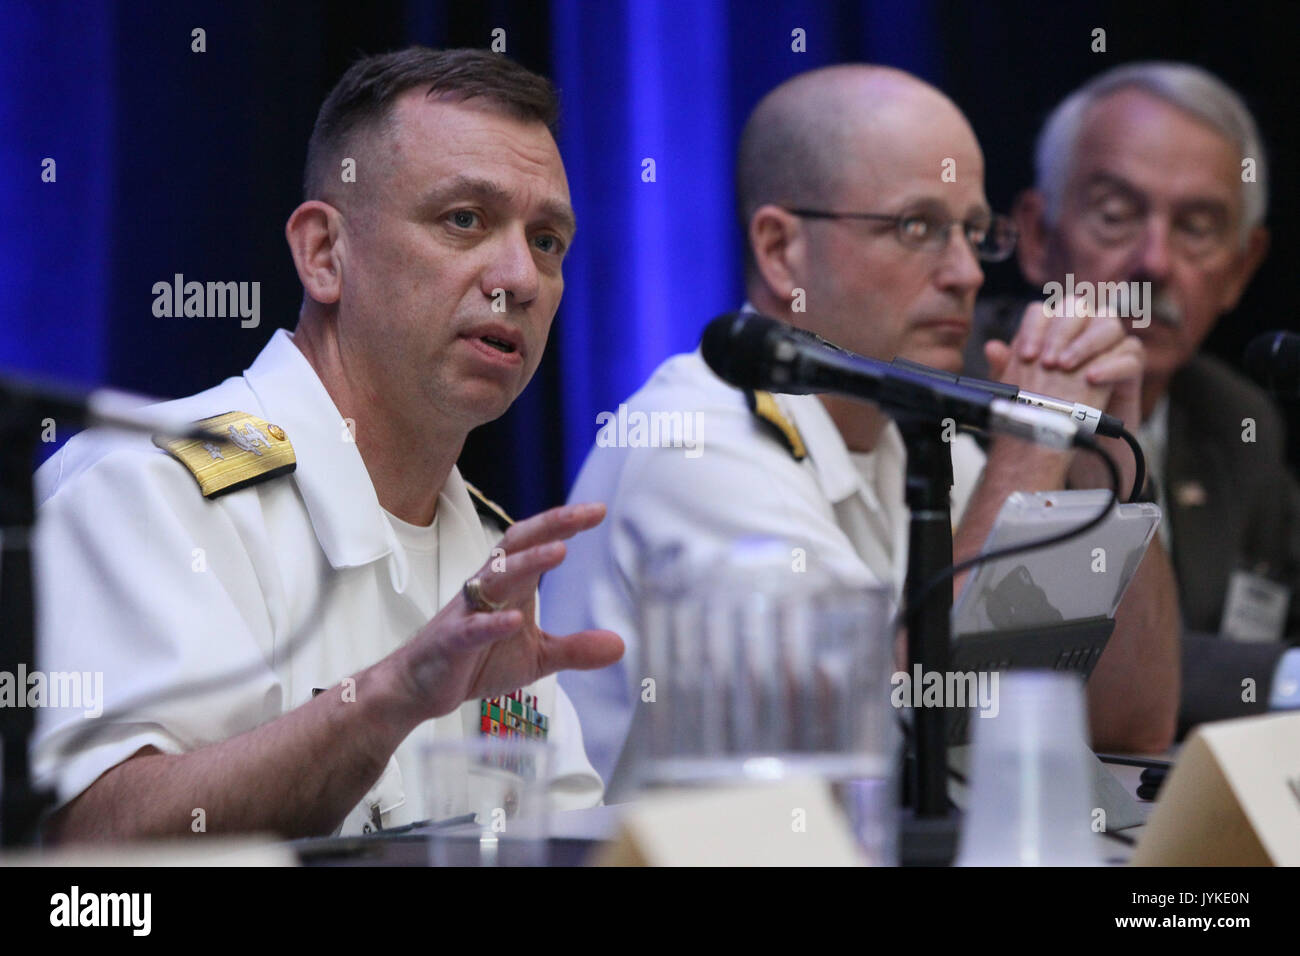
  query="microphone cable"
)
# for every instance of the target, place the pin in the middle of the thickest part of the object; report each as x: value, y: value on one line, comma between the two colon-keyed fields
x: 1140, y: 463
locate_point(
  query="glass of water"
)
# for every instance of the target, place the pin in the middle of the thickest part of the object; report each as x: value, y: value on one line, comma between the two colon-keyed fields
x: 763, y: 671
x: 489, y: 799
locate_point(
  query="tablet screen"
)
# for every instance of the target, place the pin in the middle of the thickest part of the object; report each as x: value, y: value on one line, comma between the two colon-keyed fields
x: 1084, y: 577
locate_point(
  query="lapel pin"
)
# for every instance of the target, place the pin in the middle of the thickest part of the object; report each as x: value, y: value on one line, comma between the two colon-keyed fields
x: 1190, y: 494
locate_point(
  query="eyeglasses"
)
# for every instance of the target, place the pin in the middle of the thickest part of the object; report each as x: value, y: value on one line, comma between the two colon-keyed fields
x: 992, y: 239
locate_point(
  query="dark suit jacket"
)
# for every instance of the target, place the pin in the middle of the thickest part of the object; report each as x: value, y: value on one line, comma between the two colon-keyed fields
x: 1230, y: 503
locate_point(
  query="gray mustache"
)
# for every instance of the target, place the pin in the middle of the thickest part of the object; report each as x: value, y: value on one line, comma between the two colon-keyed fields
x: 1166, y: 311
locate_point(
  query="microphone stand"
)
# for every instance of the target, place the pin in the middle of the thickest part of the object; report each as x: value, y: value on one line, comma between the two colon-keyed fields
x: 749, y: 350
x: 25, y: 408
x: 21, y: 802
x: 929, y: 832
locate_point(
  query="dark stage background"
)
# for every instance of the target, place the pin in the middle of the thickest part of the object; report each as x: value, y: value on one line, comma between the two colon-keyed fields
x: 173, y: 161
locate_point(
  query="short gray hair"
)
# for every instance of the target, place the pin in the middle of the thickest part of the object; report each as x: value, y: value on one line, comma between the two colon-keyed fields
x: 1191, y: 89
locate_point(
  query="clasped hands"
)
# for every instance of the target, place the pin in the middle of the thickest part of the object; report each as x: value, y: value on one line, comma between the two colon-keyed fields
x: 1089, y: 359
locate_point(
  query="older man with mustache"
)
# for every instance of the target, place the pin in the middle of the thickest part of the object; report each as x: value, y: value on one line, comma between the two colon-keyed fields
x: 1155, y: 174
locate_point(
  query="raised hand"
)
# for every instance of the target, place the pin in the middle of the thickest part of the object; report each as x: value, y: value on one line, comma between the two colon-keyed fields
x: 463, y: 653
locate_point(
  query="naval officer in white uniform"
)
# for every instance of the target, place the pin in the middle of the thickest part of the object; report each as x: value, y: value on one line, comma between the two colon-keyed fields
x: 326, y: 546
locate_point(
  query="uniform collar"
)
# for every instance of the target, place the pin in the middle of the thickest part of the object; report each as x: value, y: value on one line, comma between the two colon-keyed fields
x: 335, y: 486
x: 838, y: 476
x: 341, y: 501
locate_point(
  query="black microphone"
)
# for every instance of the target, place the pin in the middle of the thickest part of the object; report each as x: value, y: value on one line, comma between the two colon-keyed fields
x: 1273, y: 360
x: 753, y: 351
x: 1089, y: 419
x: 28, y: 399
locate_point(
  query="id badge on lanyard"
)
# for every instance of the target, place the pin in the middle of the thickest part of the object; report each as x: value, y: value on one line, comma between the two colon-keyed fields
x: 1255, y: 607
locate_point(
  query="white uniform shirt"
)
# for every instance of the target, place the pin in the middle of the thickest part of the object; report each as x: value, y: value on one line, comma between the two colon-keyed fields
x: 743, y: 483
x: 142, y: 578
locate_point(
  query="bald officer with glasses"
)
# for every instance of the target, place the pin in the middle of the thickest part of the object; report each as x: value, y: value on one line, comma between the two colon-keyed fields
x: 861, y: 193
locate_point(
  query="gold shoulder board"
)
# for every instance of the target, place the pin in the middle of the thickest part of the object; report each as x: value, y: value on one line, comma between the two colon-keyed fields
x: 765, y: 408
x: 488, y: 508
x: 243, y: 451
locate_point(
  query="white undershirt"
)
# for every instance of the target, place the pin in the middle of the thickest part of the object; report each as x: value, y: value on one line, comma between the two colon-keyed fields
x: 421, y: 547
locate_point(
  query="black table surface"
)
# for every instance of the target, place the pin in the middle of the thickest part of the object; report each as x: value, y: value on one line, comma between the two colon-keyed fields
x: 413, y: 850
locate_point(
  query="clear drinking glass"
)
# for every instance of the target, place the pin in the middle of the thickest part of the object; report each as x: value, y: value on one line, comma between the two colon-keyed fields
x: 500, y: 786
x: 763, y: 669
x: 1031, y: 791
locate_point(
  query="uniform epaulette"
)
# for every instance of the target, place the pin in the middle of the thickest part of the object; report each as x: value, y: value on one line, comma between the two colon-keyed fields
x: 242, y: 451
x: 488, y: 508
x: 764, y: 406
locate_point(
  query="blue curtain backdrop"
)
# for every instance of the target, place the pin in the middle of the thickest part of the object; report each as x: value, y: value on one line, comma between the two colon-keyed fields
x: 173, y: 161
x: 57, y: 101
